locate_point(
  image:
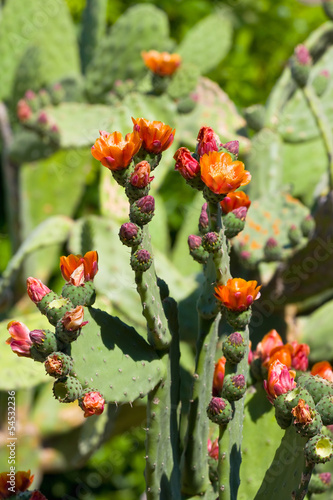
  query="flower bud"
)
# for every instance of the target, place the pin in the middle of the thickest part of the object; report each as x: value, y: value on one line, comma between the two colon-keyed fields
x: 140, y: 177
x: 213, y: 449
x: 207, y: 141
x: 142, y: 210
x: 130, y: 234
x: 186, y: 164
x: 219, y: 411
x: 23, y: 110
x: 232, y: 147
x: 218, y: 377
x: 234, y: 387
x: 272, y: 250
x: 197, y: 251
x: 204, y: 220
x: 141, y: 260
x: 301, y: 65
x: 308, y: 226
x: 319, y: 483
x: 234, y: 348
x: 212, y: 242
x: 294, y: 235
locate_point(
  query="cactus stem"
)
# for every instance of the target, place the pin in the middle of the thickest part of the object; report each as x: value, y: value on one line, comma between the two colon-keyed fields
x: 324, y: 127
x: 304, y: 484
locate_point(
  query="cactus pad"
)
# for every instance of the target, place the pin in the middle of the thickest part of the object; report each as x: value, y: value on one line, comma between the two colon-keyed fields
x: 83, y: 295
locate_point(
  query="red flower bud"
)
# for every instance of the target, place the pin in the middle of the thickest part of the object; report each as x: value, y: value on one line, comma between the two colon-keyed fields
x: 140, y: 177
x: 36, y: 290
x: 207, y: 141
x: 187, y: 166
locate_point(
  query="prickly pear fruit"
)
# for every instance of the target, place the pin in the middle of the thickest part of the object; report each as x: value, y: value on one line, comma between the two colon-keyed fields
x: 67, y: 389
x: 197, y: 250
x: 130, y: 234
x: 44, y: 343
x: 234, y: 347
x: 58, y: 364
x: 212, y: 242
x: 319, y: 483
x: 238, y: 320
x: 82, y: 295
x: 307, y: 420
x: 142, y: 210
x: 319, y: 449
x: 219, y: 411
x: 234, y: 223
x: 234, y: 387
x: 141, y: 260
x: 54, y: 307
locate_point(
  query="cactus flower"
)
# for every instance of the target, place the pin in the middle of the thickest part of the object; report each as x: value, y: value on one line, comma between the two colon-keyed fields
x: 325, y: 477
x: 323, y: 369
x: 19, y: 339
x: 299, y: 356
x: 73, y: 320
x: 302, y: 413
x: 219, y: 376
x: 92, y: 403
x: 115, y: 152
x: 302, y: 55
x: 156, y: 136
x: 271, y: 340
x: 207, y: 141
x: 222, y: 175
x: 234, y: 201
x: 140, y: 178
x: 232, y: 147
x: 23, y: 480
x: 213, y: 448
x: 238, y: 294
x: 186, y: 165
x: 204, y: 219
x: 283, y: 353
x: 23, y: 110
x: 279, y: 381
x: 161, y: 63
x: 36, y: 289
x: 72, y: 262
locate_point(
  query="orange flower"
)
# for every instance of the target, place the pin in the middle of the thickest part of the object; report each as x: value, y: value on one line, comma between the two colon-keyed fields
x: 221, y: 174
x: 156, y: 136
x: 323, y: 369
x: 235, y: 200
x: 219, y: 376
x: 283, y: 353
x: 113, y: 151
x: 92, y: 404
x: 161, y: 63
x: 271, y: 340
x: 21, y: 481
x: 237, y: 294
x: 77, y: 269
x: 279, y: 381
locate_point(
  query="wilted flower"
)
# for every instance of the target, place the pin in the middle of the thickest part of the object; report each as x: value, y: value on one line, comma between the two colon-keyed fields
x: 221, y: 174
x: 279, y: 381
x: 302, y: 413
x: 113, y: 151
x: 73, y: 320
x: 36, y: 289
x: 92, y: 403
x: 161, y: 63
x: 238, y: 294
x: 323, y: 369
x: 156, y: 136
x: 19, y: 339
x: 72, y: 263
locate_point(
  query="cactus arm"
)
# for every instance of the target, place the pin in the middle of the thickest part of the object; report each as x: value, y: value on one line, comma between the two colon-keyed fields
x: 324, y: 127
x: 93, y: 29
x: 11, y: 180
x: 304, y: 484
x: 195, y: 468
x: 230, y: 447
x: 158, y: 332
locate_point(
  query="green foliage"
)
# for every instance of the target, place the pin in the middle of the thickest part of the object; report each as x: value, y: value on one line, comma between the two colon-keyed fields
x: 45, y: 25
x: 93, y: 29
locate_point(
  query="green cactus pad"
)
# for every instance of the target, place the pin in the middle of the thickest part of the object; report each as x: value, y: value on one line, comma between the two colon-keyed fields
x: 67, y: 389
x: 184, y: 81
x: 47, y: 26
x: 118, y: 56
x: 203, y: 45
x: 114, y: 359
x: 83, y: 295
x: 269, y: 217
x: 255, y: 116
x: 319, y: 449
x: 325, y: 408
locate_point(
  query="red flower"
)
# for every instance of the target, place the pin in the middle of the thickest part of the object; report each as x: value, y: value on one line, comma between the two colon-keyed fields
x: 299, y: 357
x: 113, y: 151
x: 323, y: 369
x: 237, y: 294
x: 92, y: 404
x: 19, y: 339
x: 213, y: 449
x: 140, y: 178
x: 207, y: 141
x: 22, y: 481
x: 221, y: 174
x: 219, y: 376
x: 279, y: 381
x: 36, y: 290
x: 156, y: 136
x: 77, y: 269
x: 161, y: 63
x: 235, y: 200
x: 187, y: 166
x: 271, y: 340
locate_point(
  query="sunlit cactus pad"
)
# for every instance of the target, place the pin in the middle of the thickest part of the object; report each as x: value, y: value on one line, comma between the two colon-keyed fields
x: 112, y: 358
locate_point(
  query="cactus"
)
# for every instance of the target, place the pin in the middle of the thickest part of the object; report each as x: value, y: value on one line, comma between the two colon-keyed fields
x: 93, y: 29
